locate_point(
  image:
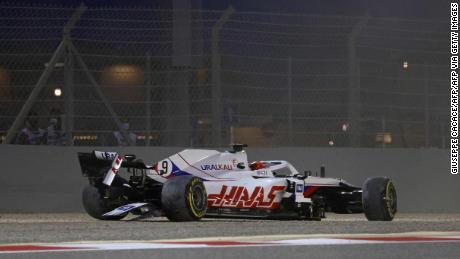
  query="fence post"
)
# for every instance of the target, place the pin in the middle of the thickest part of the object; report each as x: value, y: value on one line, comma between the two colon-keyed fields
x: 68, y: 95
x: 19, y: 121
x: 289, y: 83
x: 101, y: 94
x: 216, y: 80
x: 384, y: 129
x: 68, y: 74
x: 426, y: 104
x: 148, y: 97
x: 354, y: 88
x: 33, y: 95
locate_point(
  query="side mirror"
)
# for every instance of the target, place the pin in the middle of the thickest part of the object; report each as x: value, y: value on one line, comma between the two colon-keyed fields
x: 241, y: 165
x: 303, y: 175
x: 130, y: 157
x: 322, y: 171
x: 238, y: 147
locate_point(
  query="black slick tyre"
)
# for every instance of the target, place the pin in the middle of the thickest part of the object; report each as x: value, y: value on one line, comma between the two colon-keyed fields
x: 379, y: 199
x: 184, y: 198
x: 95, y: 205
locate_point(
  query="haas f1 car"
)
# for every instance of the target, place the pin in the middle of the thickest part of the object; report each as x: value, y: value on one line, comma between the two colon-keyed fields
x: 196, y: 183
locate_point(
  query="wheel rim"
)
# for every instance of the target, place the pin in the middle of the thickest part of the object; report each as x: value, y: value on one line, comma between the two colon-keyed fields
x: 197, y: 197
x: 391, y: 198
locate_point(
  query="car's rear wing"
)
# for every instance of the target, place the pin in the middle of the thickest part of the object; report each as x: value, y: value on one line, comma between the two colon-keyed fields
x: 91, y: 166
x: 99, y: 164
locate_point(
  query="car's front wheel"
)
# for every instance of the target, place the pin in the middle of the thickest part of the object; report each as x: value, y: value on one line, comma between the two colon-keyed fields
x: 379, y: 199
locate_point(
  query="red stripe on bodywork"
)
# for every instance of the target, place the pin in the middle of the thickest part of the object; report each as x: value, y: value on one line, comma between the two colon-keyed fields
x: 309, y: 191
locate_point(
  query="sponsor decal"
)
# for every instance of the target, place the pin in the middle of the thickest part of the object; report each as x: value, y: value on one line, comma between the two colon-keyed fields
x: 125, y: 208
x: 167, y: 169
x: 164, y: 168
x: 239, y: 197
x: 217, y: 167
x: 235, y: 162
x: 105, y: 155
x: 109, y: 155
x: 299, y: 188
x: 116, y: 164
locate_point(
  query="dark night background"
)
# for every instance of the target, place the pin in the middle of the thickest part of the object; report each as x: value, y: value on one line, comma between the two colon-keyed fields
x: 264, y: 51
x: 421, y: 9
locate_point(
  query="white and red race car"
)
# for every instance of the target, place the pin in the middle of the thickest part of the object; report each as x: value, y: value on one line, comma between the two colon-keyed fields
x: 196, y: 183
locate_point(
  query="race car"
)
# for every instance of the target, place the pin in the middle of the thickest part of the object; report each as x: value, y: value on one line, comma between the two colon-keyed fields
x: 197, y: 183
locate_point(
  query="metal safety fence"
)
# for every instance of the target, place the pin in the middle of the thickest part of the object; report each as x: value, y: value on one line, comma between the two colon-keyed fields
x: 209, y: 78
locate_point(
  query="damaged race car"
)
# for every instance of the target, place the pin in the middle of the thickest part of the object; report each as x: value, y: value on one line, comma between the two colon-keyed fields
x: 197, y: 183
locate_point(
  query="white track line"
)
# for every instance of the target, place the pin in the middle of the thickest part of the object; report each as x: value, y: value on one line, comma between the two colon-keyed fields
x: 297, y: 240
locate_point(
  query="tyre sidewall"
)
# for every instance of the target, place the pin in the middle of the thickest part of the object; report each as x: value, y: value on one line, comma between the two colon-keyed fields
x: 376, y: 194
x: 94, y: 205
x: 177, y: 199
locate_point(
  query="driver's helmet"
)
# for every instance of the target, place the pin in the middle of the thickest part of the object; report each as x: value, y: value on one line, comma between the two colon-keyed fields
x: 256, y: 165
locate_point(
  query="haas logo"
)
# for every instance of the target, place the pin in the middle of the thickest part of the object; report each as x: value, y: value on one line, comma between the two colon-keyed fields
x: 239, y: 197
x: 116, y: 164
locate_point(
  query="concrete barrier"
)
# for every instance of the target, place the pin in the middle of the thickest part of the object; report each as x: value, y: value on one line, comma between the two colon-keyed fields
x: 48, y: 179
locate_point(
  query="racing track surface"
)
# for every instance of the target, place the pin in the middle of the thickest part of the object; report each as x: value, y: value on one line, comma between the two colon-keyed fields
x: 432, y: 236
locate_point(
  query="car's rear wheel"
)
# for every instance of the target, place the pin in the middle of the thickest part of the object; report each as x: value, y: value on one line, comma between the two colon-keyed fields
x: 379, y: 199
x: 184, y: 198
x: 96, y: 206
